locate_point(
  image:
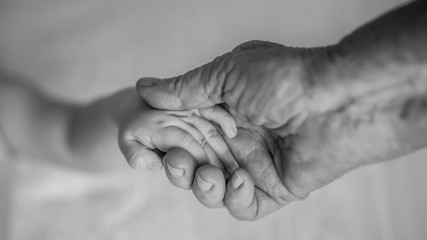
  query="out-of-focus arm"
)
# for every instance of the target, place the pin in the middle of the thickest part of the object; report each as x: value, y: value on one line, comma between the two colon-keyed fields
x: 80, y: 136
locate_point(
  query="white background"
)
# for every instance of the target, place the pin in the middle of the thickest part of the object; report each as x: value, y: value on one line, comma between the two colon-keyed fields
x: 82, y: 49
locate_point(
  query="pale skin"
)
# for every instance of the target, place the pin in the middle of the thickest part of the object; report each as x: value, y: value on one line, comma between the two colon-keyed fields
x: 306, y: 116
x: 94, y: 136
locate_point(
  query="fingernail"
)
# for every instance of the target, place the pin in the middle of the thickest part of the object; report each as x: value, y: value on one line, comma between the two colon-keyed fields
x: 232, y: 132
x: 175, y: 172
x: 237, y: 181
x: 147, y: 82
x: 147, y: 164
x: 204, y: 185
x: 156, y: 166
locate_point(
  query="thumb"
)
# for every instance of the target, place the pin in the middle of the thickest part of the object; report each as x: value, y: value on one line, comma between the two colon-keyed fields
x: 198, y: 88
x: 140, y: 157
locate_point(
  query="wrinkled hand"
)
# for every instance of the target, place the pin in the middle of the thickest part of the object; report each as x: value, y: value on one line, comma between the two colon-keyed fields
x: 284, y: 148
x: 264, y: 86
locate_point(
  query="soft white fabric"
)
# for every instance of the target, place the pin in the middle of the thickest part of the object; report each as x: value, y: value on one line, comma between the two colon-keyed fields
x: 81, y: 49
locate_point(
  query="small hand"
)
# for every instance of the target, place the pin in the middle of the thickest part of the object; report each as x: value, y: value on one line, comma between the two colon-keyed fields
x: 145, y: 132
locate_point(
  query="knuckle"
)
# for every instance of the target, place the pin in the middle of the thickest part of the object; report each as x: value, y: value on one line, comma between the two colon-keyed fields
x: 132, y: 163
x: 203, y: 142
x: 293, y: 196
x: 212, y: 133
x: 187, y: 139
x: 178, y: 87
x: 208, y: 111
x: 214, y: 75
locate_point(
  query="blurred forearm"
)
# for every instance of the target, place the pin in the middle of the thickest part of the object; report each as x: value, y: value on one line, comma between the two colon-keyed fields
x: 79, y: 136
x: 93, y: 129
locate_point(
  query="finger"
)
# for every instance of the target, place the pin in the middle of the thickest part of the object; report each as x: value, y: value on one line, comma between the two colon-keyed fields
x: 215, y: 140
x: 216, y: 114
x: 240, y: 196
x: 210, y: 153
x: 209, y: 186
x: 138, y: 156
x: 180, y: 167
x: 246, y: 202
x: 201, y: 87
x: 172, y: 136
x: 253, y: 156
x: 223, y: 118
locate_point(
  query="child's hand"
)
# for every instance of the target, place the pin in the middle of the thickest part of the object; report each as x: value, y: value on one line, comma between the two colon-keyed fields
x: 144, y: 132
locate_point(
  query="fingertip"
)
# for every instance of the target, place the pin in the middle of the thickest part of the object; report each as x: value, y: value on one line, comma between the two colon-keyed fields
x: 209, y: 186
x: 180, y: 168
x: 240, y: 190
x: 147, y: 82
x: 146, y: 161
x: 232, y: 131
x: 203, y: 185
x: 152, y: 90
x: 236, y: 180
x: 240, y: 198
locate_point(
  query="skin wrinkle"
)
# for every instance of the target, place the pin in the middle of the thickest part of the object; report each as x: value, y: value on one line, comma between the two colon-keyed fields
x: 268, y: 173
x: 262, y: 105
x: 219, y: 81
x: 213, y: 133
x: 228, y: 83
x: 208, y: 110
x: 370, y: 99
x: 291, y: 106
x: 178, y: 86
x: 203, y: 142
x: 210, y: 83
x: 353, y: 102
x: 357, y: 91
x: 239, y: 103
x: 259, y: 108
x: 267, y: 170
x: 356, y: 115
x: 251, y: 108
x: 231, y: 88
x: 261, y: 198
x: 283, y: 172
x: 412, y: 104
x: 218, y: 85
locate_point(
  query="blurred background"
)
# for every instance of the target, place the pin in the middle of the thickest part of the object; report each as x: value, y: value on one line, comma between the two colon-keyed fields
x: 80, y: 50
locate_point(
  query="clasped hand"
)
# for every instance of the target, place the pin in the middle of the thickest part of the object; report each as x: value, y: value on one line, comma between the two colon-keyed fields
x: 295, y: 134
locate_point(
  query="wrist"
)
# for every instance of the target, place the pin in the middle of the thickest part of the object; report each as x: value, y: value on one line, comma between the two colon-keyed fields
x: 326, y: 90
x: 121, y: 105
x: 376, y: 103
x: 339, y: 77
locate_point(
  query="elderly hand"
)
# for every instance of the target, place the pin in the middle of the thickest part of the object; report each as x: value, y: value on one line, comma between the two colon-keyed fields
x: 267, y: 88
x: 297, y: 131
